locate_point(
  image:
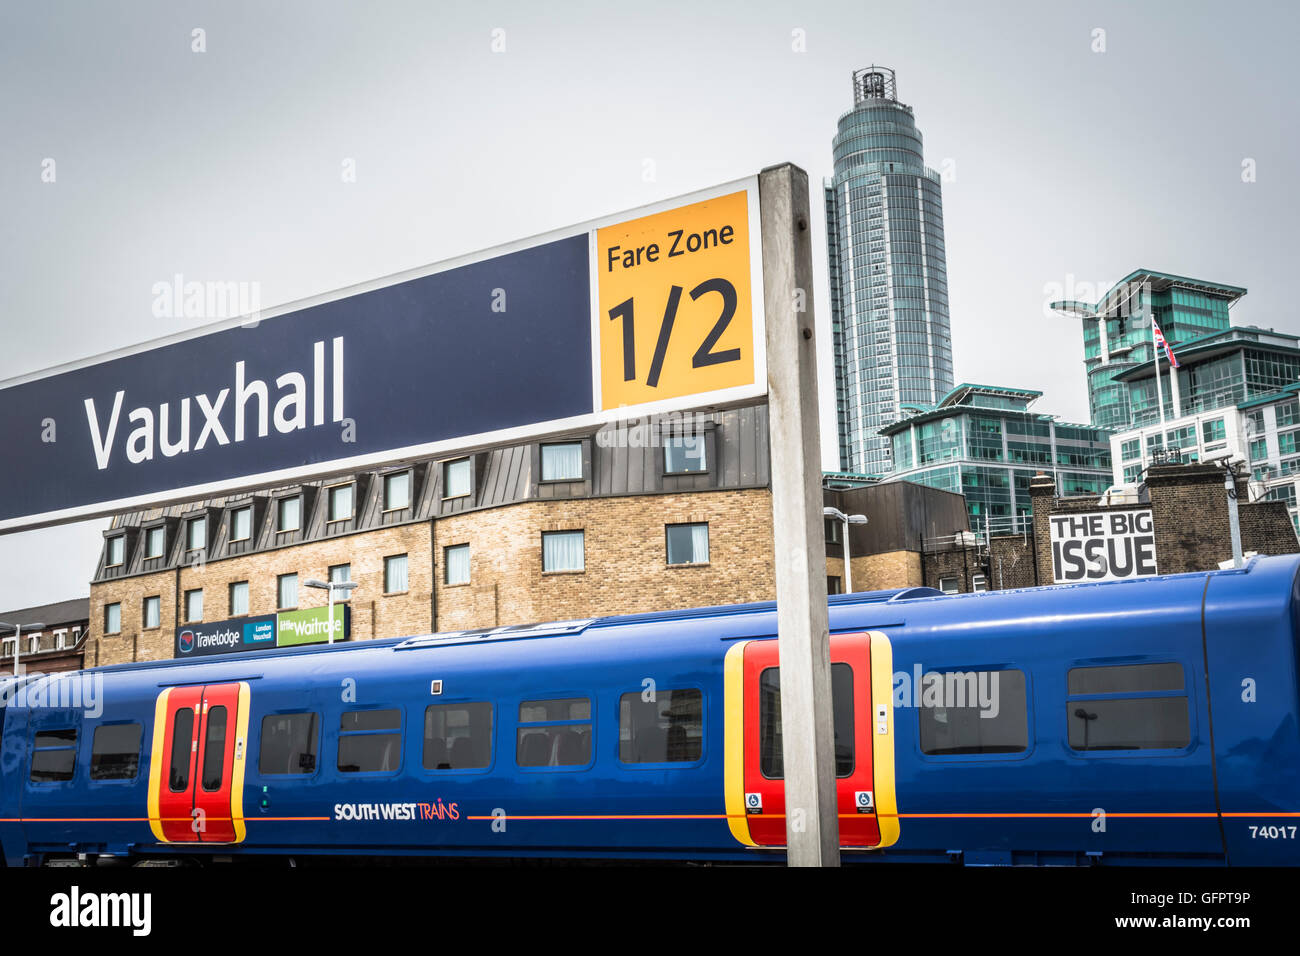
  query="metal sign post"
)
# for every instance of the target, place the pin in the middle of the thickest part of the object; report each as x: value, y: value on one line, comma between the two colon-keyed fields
x: 812, y: 824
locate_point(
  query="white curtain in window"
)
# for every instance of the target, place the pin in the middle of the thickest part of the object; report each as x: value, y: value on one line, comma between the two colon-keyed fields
x: 562, y: 551
x: 239, y: 599
x: 395, y: 574
x: 562, y: 462
x: 699, y: 543
x: 456, y: 478
x: 289, y: 590
x: 458, y: 564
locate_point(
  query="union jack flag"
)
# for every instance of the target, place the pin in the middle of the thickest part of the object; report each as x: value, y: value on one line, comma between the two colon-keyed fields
x: 1163, y: 344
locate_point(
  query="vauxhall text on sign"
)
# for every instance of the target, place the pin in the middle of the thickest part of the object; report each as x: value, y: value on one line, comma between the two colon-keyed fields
x: 1103, y: 546
x: 657, y: 310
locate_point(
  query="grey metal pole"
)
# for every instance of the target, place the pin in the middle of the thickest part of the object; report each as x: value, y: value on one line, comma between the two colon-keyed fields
x: 848, y: 570
x: 1234, y: 525
x: 812, y: 823
x: 331, y: 591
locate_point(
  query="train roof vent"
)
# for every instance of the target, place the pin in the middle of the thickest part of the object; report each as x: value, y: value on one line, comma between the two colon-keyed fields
x: 509, y: 632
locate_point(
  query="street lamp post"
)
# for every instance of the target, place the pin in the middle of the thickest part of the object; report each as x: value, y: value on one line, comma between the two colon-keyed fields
x: 331, y: 586
x: 847, y: 520
x: 18, y: 637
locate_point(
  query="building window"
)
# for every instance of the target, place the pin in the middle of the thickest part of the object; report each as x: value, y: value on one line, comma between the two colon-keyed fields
x: 455, y: 478
x: 288, y: 514
x: 341, y: 574
x: 1132, y: 449
x: 949, y: 585
x: 832, y: 528
x: 1113, y: 708
x: 196, y: 534
x: 241, y: 524
x: 397, y: 491
x: 834, y: 584
x: 456, y: 563
x: 458, y: 736
x: 966, y: 721
x: 979, y: 583
x: 340, y: 503
x: 153, y: 543
x: 563, y: 551
x: 554, y: 733
x: 288, y: 744
x: 685, y: 455
x: 1213, y: 431
x: 194, y: 605
x: 1259, y: 449
x: 9, y: 647
x: 286, y: 590
x: 562, y: 462
x: 112, y: 619
x: 395, y: 580
x: 34, y: 643
x: 238, y: 598
x: 370, y: 741
x: 688, y: 543
x: 668, y: 729
x: 152, y: 611
x: 115, y: 752
x: 116, y: 551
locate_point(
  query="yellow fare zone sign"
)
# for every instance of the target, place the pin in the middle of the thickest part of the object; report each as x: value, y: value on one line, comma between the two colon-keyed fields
x: 675, y: 306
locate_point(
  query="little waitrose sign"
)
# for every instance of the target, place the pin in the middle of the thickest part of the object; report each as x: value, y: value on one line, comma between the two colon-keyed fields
x: 1103, y: 546
x: 288, y: 629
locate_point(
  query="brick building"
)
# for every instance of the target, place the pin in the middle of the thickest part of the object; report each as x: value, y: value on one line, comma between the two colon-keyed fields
x: 602, y: 523
x: 1189, y: 530
x: 57, y: 645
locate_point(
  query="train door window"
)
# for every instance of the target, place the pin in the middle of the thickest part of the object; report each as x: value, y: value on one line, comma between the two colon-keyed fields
x: 669, y: 728
x: 115, y: 752
x: 458, y: 736
x: 1128, y: 707
x: 972, y: 712
x: 54, y: 755
x: 772, y: 757
x: 370, y: 741
x: 214, y: 749
x: 554, y: 733
x: 178, y: 773
x: 288, y: 744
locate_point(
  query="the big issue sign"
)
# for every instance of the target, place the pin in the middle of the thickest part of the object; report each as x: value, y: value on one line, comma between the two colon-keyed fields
x: 696, y: 303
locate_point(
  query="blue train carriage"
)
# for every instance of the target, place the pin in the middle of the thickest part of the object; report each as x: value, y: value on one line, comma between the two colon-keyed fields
x: 1067, y: 725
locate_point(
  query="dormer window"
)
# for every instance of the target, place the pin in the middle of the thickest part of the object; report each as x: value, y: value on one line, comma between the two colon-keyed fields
x: 340, y: 503
x: 288, y: 514
x: 456, y: 478
x: 562, y: 462
x: 397, y: 491
x: 116, y: 551
x: 196, y: 534
x: 153, y: 542
x: 241, y: 524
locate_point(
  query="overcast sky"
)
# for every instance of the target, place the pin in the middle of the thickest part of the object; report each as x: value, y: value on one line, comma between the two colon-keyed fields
x: 1075, y: 156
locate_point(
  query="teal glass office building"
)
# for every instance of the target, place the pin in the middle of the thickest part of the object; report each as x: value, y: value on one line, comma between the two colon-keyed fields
x: 1117, y: 331
x: 985, y: 442
x: 888, y: 273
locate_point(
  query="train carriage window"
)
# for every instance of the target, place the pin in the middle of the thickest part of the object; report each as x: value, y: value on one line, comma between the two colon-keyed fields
x: 772, y: 757
x: 115, y: 752
x: 667, y: 729
x: 972, y: 712
x: 178, y: 774
x: 288, y: 744
x: 458, y: 736
x: 554, y: 733
x: 214, y: 749
x: 370, y: 741
x: 54, y: 755
x: 1128, y: 707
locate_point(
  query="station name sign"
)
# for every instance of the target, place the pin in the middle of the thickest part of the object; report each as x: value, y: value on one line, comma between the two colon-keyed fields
x: 652, y: 311
x: 260, y: 632
x: 1103, y: 546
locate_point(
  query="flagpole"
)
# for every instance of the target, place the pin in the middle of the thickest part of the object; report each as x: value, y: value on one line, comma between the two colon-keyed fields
x: 1160, y: 394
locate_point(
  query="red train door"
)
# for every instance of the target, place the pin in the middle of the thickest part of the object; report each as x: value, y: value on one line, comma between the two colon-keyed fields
x: 863, y: 738
x: 196, y: 776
